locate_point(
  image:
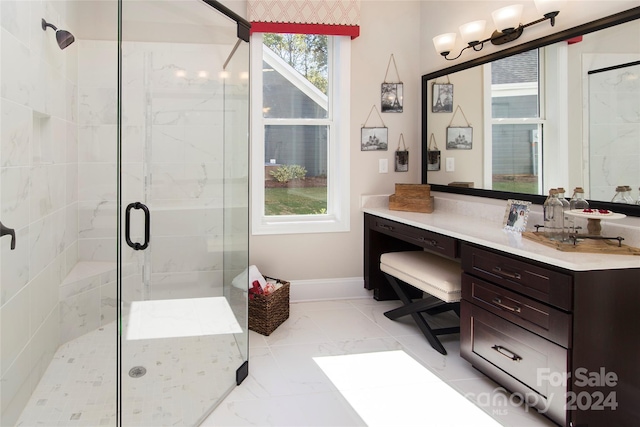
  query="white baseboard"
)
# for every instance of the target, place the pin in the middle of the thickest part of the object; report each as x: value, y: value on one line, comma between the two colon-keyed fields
x: 328, y: 289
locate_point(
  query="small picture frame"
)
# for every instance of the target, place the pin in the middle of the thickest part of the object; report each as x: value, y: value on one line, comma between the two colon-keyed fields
x: 442, y: 98
x: 459, y: 138
x: 391, y: 97
x: 402, y: 161
x: 374, y: 139
x: 516, y: 215
x: 433, y: 160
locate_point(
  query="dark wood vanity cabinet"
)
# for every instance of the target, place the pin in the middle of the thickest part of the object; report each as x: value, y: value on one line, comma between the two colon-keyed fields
x: 515, y: 325
x: 568, y: 342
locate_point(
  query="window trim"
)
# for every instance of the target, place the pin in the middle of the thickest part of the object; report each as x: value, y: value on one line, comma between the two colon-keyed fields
x: 337, y: 218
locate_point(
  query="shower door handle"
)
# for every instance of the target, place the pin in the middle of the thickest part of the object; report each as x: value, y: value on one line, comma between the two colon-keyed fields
x: 147, y: 226
x: 4, y: 231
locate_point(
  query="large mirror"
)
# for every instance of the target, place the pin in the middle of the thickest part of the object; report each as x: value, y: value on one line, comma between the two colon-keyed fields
x: 561, y: 111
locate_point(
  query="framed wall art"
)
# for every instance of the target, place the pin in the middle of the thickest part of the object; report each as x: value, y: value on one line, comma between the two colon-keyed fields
x: 433, y: 155
x: 442, y: 98
x: 374, y: 139
x: 391, y: 94
x: 402, y: 156
x: 459, y: 138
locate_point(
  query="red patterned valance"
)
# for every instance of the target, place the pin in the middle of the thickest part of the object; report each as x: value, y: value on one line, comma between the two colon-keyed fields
x: 329, y: 17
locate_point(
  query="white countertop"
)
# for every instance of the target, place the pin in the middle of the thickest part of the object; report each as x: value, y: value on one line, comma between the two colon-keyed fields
x: 491, y: 234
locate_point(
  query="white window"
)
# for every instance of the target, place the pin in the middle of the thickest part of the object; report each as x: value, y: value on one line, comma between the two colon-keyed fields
x: 300, y: 133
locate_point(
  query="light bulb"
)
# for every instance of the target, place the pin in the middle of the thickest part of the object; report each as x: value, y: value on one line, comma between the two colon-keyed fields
x: 507, y: 18
x: 473, y: 32
x: 444, y: 43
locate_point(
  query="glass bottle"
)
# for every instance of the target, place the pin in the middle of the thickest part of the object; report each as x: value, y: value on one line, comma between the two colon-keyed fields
x: 577, y: 202
x: 553, y: 216
x: 545, y: 206
x: 627, y: 195
x: 565, y: 205
x: 619, y: 197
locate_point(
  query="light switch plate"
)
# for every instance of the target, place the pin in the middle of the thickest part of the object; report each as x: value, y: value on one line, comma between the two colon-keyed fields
x: 450, y: 165
x: 383, y: 166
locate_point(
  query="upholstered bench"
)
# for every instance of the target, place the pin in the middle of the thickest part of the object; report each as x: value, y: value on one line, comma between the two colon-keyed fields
x: 432, y: 274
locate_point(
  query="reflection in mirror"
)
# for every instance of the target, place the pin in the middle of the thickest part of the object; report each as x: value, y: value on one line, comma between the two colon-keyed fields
x: 614, y: 125
x: 501, y: 105
x: 562, y: 114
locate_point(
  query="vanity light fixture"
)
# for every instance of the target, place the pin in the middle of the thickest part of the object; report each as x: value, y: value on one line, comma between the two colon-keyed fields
x: 507, y: 22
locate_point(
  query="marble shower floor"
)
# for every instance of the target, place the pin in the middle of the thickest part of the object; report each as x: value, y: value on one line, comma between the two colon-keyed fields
x: 181, y: 384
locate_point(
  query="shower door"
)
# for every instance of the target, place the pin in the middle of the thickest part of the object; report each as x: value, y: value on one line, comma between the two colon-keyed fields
x: 183, y: 206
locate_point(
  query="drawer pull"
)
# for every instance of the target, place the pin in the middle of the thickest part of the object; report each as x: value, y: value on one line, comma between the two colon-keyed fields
x: 506, y: 353
x: 508, y: 274
x: 497, y: 301
x: 431, y: 242
x: 386, y: 227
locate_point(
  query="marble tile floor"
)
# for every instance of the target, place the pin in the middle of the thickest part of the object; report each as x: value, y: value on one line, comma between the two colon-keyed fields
x: 286, y: 387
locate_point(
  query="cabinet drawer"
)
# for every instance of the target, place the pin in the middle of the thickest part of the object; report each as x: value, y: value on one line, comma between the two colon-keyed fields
x: 541, y: 283
x: 506, y: 351
x: 546, y: 321
x: 435, y: 242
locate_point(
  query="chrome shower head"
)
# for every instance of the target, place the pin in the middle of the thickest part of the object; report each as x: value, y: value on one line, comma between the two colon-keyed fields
x: 63, y: 37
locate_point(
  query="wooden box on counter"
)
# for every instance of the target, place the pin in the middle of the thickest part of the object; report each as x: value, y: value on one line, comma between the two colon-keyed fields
x: 463, y: 184
x: 412, y: 198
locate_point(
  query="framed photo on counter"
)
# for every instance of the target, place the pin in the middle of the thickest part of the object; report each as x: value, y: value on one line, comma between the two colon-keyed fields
x: 516, y: 215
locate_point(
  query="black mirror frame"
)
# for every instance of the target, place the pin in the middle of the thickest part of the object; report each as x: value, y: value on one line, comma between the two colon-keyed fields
x: 599, y: 24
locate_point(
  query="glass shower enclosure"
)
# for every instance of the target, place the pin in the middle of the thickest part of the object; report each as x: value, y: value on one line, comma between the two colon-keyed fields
x: 124, y: 210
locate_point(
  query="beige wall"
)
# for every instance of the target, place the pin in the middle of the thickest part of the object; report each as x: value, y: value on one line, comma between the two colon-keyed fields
x: 404, y: 28
x: 389, y: 27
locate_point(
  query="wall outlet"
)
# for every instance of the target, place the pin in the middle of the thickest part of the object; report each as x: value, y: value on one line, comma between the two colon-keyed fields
x: 383, y: 166
x: 450, y: 164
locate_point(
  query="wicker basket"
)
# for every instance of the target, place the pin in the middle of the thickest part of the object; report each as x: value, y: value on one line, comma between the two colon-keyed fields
x: 268, y: 312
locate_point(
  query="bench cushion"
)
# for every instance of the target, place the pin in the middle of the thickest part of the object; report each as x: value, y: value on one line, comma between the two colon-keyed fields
x: 433, y: 274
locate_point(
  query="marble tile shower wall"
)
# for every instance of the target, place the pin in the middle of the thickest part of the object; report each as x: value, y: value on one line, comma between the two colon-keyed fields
x: 187, y: 167
x: 38, y: 192
x: 58, y: 182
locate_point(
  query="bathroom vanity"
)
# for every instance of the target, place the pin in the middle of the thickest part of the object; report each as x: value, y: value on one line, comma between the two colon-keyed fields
x: 558, y: 328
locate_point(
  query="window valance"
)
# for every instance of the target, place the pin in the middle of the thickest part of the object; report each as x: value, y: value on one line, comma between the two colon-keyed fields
x: 328, y: 17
